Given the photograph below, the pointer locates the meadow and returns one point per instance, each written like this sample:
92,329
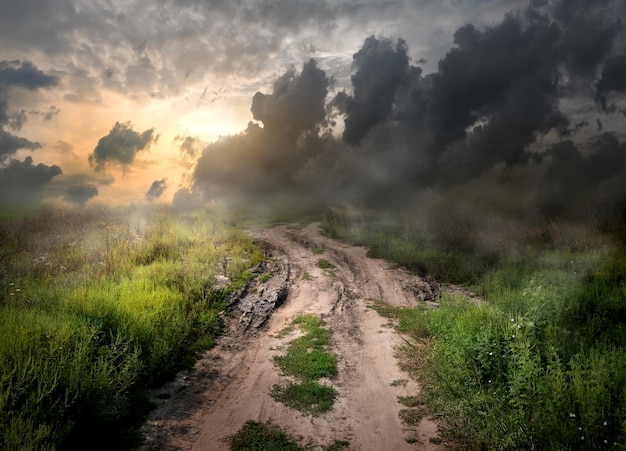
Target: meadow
97,304
535,356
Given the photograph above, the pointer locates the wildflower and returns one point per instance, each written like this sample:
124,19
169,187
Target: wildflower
579,428
512,336
11,284
582,437
18,289
606,424
519,326
512,320
491,353
572,415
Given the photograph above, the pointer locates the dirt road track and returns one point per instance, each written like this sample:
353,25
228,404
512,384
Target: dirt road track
231,382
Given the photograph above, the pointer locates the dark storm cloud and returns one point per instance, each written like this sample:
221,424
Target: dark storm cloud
23,75
381,68
571,174
266,159
80,194
296,104
9,144
493,105
494,94
121,146
156,189
613,78
22,182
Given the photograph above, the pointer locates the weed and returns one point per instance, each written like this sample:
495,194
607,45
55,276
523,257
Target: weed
317,250
410,401
336,445
308,397
412,417
325,264
265,277
263,437
307,360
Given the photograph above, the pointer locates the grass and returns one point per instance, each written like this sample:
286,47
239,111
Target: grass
309,397
306,357
268,436
263,437
307,360
540,363
325,264
96,304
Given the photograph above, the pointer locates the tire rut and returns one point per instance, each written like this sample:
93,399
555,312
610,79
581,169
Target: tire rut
230,384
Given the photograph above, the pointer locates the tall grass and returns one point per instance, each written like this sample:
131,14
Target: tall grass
540,362
94,305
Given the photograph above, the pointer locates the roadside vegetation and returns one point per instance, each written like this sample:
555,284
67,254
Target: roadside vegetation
537,360
96,304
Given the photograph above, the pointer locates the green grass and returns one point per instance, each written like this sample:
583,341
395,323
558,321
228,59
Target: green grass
307,360
263,437
268,436
325,264
306,357
317,250
309,397
96,304
540,362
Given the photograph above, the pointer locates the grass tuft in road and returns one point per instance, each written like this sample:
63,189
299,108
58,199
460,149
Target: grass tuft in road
263,437
307,359
308,397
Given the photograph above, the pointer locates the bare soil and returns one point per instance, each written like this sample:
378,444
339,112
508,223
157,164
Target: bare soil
230,384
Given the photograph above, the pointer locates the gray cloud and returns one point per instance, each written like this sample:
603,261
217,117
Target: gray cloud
189,146
80,194
121,146
9,144
184,199
493,106
381,69
572,175
156,190
296,104
264,160
22,182
23,75
613,78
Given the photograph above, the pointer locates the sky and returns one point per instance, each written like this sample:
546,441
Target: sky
360,101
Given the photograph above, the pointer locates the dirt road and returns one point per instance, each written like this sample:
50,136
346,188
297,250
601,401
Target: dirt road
231,383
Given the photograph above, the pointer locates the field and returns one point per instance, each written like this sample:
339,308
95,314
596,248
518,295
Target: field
526,350
536,359
96,304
